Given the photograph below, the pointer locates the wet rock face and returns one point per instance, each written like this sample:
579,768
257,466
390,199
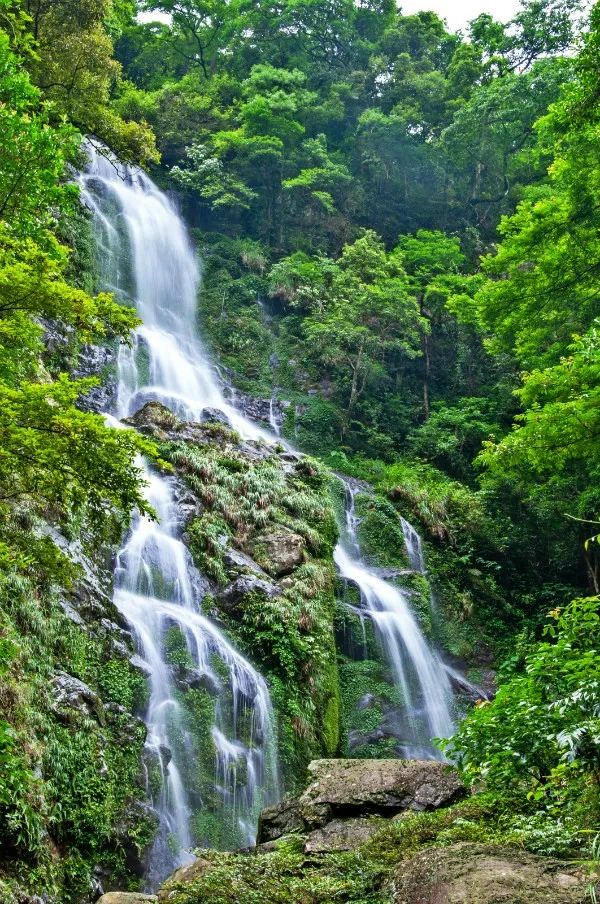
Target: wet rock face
485,874
233,596
197,680
98,361
214,415
260,409
347,789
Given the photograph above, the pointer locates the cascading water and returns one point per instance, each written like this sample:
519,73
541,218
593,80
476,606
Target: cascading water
146,258
273,422
419,674
414,547
416,557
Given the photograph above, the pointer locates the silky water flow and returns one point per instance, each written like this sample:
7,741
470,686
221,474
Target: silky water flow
147,260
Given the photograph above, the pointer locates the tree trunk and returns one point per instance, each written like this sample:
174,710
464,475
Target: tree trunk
354,391
591,564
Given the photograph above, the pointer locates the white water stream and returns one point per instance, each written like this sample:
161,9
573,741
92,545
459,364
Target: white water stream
418,673
146,259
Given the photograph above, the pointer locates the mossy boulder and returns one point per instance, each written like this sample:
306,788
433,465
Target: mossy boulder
343,789
154,419
181,876
468,873
280,551
343,834
383,784
125,897
232,597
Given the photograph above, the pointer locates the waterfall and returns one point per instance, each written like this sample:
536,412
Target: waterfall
419,674
273,422
146,259
414,547
416,557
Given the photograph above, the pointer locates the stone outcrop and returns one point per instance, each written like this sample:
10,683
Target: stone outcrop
343,834
97,361
215,415
485,874
126,897
153,419
258,409
232,597
347,789
73,696
180,877
283,550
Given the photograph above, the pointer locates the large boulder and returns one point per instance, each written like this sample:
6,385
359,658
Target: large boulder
73,698
382,785
233,596
343,834
126,897
154,419
181,876
485,874
282,550
215,416
237,560
343,789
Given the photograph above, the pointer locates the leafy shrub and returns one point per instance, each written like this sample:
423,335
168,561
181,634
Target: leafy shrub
539,739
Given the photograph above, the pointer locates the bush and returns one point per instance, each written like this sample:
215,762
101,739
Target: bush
539,739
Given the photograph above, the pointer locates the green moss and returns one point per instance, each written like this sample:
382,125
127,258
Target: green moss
232,287
380,532
176,650
283,877
119,682
207,540
77,232
366,693
68,780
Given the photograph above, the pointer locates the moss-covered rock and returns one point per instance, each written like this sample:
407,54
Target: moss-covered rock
380,532
281,551
460,843
262,528
485,874
123,897
349,788
342,834
74,811
368,700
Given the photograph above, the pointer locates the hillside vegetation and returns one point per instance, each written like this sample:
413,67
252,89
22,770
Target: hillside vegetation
398,228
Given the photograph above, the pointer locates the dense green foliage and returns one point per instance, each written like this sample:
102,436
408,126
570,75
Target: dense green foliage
558,694
399,232
69,781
